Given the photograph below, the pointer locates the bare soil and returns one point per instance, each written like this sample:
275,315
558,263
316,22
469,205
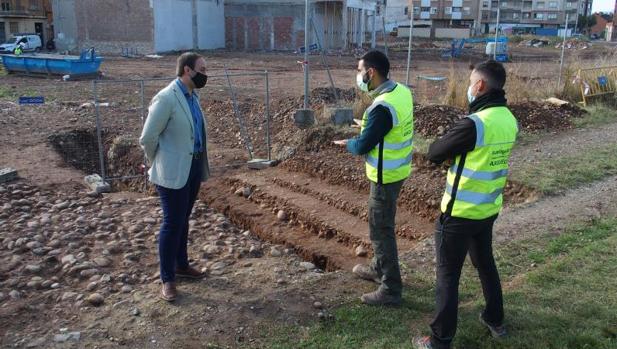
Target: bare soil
255,260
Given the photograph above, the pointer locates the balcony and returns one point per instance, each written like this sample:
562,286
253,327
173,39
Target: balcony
15,8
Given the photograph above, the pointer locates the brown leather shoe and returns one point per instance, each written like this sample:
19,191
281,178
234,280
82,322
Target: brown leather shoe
169,292
189,273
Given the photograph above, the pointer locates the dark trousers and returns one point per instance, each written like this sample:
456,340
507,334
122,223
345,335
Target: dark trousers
454,237
177,205
382,211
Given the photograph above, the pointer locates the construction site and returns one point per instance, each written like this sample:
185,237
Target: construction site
284,217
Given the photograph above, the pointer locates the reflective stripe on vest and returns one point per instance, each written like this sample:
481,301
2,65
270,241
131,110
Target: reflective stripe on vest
390,164
479,175
388,106
473,197
397,146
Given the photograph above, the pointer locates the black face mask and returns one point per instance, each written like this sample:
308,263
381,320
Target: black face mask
199,79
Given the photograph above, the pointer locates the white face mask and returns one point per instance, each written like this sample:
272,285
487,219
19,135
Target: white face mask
470,96
363,86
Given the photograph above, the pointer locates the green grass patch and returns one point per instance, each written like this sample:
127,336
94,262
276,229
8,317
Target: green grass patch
555,175
565,301
597,115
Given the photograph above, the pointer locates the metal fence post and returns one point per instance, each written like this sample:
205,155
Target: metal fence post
268,141
98,129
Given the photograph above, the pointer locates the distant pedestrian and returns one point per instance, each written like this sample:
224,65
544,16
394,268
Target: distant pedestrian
174,141
385,141
480,146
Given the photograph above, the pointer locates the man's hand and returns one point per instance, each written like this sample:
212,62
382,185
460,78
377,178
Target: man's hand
342,142
358,122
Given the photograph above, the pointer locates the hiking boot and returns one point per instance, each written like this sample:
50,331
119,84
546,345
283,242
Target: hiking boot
169,292
421,343
189,273
496,331
379,297
366,272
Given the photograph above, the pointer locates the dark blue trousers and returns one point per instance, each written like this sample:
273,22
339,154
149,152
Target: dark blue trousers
177,205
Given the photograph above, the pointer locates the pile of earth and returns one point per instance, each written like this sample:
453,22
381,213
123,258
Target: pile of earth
434,120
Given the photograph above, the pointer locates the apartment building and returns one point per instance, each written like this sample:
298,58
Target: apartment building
527,15
445,13
480,16
25,16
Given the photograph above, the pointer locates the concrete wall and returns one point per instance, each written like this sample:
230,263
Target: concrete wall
177,29
452,33
173,25
417,32
65,25
211,24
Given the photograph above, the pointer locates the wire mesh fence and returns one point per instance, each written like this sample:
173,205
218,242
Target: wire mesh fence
235,106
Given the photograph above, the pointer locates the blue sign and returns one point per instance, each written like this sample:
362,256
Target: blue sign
32,100
313,47
602,80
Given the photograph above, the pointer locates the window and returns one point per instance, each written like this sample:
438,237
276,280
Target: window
526,15
434,10
569,5
504,4
552,4
540,4
34,5
467,10
5,5
416,10
484,4
426,9
552,16
515,15
539,16
14,27
448,10
406,10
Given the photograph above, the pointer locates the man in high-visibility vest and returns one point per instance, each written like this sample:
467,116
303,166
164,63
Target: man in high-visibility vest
18,49
480,146
385,141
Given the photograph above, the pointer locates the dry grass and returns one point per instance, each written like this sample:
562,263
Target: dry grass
571,90
524,83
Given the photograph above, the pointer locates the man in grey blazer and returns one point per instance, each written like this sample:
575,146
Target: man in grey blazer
174,141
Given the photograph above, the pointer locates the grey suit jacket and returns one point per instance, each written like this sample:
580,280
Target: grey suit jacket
168,139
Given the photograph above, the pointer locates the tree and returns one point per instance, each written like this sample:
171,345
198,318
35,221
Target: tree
586,22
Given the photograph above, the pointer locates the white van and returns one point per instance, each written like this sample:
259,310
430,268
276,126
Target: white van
28,42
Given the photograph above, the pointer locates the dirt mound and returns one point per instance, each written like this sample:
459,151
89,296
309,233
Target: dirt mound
434,120
539,116
326,95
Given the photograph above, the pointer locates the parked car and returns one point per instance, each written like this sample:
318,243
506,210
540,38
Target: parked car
28,42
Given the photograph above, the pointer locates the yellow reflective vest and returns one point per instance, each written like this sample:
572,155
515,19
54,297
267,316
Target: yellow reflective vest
476,180
390,161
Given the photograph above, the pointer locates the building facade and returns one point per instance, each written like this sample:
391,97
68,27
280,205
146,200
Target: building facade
515,16
279,25
141,26
25,16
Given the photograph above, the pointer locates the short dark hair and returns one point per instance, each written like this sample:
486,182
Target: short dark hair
493,72
187,59
378,61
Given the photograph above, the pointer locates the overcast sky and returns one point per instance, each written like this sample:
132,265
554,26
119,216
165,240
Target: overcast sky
603,5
